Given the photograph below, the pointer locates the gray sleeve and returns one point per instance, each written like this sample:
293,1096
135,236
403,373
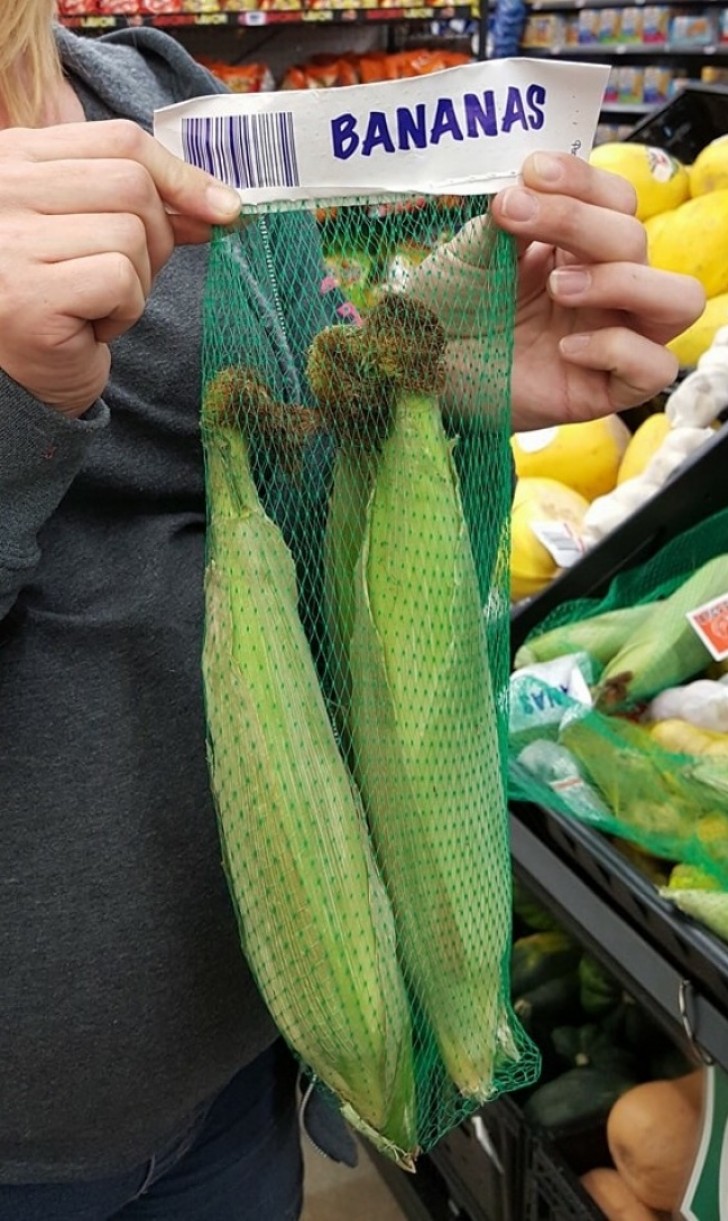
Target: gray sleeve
41,451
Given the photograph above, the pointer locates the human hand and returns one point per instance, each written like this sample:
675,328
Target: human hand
591,318
89,214
584,347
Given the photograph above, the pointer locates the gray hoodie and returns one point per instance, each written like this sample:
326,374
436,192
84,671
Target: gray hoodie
124,998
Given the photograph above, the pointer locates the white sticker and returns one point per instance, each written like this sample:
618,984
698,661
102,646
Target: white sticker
663,167
534,442
710,623
463,131
560,540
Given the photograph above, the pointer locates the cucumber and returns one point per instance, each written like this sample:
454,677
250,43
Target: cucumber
591,1046
579,1098
600,992
540,957
530,912
549,1004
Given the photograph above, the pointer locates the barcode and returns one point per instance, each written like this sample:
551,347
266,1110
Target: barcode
247,151
560,540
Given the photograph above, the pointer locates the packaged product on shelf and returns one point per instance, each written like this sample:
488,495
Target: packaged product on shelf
571,32
692,30
122,7
608,25
588,27
611,93
723,25
544,30
657,85
242,78
631,26
164,7
631,84
655,24
77,8
710,75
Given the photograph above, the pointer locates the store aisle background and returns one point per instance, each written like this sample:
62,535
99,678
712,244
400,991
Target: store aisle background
335,1193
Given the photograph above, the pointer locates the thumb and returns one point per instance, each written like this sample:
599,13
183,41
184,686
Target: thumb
453,281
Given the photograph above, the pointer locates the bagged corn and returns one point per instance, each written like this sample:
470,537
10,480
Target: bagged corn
356,649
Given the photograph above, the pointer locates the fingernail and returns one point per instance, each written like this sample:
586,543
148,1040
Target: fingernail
548,168
569,281
572,344
223,201
518,204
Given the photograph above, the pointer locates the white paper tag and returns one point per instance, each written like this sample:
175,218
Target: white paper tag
463,131
564,674
560,540
710,623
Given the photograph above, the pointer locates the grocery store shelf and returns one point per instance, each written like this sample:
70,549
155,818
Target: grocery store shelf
553,6
630,107
622,50
667,991
259,17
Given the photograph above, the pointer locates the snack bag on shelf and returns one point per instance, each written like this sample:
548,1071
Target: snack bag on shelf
160,7
242,78
356,641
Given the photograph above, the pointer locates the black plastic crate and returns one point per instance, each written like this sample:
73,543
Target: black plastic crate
686,124
423,1196
483,1162
684,942
552,1193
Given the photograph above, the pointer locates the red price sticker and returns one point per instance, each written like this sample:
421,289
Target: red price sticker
710,623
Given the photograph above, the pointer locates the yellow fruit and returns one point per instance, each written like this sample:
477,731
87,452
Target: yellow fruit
694,239
539,500
585,457
654,227
659,179
709,171
690,345
645,442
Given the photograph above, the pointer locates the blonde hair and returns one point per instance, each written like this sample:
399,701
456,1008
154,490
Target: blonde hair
30,68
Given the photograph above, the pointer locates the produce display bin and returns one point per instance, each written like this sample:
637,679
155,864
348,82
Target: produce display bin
698,489
691,947
551,1191
483,1162
423,1196
686,124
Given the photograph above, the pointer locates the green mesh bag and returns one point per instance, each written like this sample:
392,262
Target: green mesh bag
356,647
607,766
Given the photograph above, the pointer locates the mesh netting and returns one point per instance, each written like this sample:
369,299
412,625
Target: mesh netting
655,785
355,422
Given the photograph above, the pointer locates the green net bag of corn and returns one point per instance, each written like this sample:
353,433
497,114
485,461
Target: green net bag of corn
358,338
619,709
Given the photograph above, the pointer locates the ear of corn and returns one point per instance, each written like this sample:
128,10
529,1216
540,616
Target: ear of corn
665,650
601,636
352,482
315,921
425,735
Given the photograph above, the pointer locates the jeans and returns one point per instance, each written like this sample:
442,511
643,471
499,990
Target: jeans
237,1159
